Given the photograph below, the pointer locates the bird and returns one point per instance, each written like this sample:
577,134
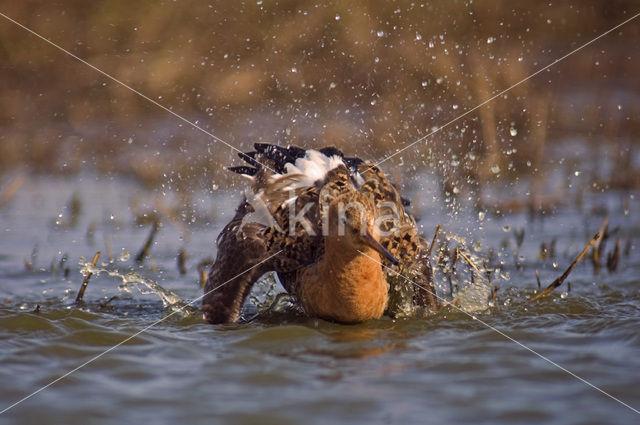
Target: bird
334,230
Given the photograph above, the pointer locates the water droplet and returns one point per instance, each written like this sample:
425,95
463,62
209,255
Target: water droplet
337,17
490,40
124,256
576,173
425,83
380,33
418,37
373,102
506,228
481,215
431,45
495,169
513,131
520,59
455,107
294,69
439,80
332,86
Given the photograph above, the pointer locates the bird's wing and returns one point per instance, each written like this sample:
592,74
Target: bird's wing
241,250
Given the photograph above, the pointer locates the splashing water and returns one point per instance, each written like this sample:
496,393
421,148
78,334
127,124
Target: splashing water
170,300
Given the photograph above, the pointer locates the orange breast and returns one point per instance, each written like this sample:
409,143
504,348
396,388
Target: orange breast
346,293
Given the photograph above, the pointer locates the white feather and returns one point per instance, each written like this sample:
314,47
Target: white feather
312,167
358,179
305,172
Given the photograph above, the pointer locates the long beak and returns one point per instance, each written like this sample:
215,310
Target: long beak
370,240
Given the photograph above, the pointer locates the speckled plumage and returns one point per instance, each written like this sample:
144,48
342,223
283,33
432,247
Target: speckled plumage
244,243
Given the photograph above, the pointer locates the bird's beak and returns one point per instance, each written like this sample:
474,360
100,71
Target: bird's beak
373,243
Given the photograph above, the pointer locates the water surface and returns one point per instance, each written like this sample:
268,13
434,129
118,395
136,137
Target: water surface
449,368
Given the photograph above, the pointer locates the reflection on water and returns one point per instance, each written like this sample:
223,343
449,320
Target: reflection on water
281,367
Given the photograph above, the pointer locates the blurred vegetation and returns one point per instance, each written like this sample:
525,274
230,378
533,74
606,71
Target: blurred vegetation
367,76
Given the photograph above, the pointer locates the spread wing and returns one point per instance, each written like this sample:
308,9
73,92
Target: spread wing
241,248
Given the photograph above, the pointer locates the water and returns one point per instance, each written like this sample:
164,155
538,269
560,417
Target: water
449,368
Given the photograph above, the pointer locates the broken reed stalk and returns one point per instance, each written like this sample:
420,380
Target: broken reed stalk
494,294
564,276
552,248
29,263
147,245
519,237
85,281
62,265
106,303
614,258
538,279
11,190
596,249
433,241
453,283
203,267
203,277
468,260
91,230
182,259
627,247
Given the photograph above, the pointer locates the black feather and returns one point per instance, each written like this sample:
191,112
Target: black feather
249,157
280,156
277,154
352,162
249,171
261,147
296,152
331,151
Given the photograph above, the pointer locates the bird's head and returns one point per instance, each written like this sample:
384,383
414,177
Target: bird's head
352,219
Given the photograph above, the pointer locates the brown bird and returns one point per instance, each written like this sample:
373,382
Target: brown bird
334,230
